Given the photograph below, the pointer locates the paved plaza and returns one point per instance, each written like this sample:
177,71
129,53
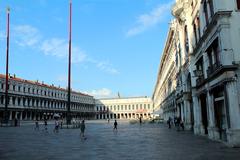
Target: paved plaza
131,142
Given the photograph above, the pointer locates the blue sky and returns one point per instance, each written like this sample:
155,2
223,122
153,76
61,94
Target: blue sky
117,44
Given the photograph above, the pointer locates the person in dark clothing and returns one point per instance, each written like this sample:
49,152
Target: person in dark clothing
140,120
169,122
82,127
36,125
182,125
45,125
115,125
178,123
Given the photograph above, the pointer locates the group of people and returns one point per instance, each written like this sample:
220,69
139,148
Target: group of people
58,124
45,123
177,121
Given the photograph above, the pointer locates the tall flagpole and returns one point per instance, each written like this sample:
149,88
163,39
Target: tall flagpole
69,65
6,118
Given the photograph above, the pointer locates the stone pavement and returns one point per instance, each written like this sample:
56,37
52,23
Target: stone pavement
131,142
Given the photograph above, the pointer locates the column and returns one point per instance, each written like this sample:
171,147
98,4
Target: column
233,105
10,101
21,101
188,124
31,104
196,108
233,111
16,114
26,115
20,115
34,116
182,111
16,102
26,102
10,115
30,118
212,131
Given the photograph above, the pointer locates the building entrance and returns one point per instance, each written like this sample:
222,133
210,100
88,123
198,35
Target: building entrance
204,113
220,118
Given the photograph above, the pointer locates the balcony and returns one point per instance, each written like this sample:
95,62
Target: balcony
225,63
213,68
217,69
199,80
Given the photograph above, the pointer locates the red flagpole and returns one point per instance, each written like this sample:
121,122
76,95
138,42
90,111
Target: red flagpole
6,80
69,65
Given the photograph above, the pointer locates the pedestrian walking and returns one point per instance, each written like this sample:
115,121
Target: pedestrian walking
45,125
169,122
115,125
140,120
178,123
36,125
56,126
61,123
82,128
182,124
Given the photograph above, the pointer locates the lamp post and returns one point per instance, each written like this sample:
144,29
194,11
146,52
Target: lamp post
69,117
6,114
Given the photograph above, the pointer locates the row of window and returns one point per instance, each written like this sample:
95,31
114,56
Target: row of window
123,107
42,92
27,102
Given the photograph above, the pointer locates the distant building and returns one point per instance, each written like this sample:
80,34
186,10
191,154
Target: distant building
31,100
124,108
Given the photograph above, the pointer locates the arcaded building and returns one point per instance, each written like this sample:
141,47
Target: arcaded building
124,108
207,96
31,100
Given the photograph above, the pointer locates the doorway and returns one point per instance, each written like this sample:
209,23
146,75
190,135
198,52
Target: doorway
220,118
204,113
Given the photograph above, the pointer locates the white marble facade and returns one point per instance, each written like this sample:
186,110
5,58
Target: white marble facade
124,108
207,58
30,100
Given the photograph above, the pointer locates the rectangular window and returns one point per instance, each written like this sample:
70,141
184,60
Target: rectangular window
238,4
205,8
210,2
198,27
195,33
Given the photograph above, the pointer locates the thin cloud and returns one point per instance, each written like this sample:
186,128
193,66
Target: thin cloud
101,93
29,36
148,20
104,66
26,35
59,48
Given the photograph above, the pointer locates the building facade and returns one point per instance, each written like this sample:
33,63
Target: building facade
124,108
165,88
207,96
31,100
